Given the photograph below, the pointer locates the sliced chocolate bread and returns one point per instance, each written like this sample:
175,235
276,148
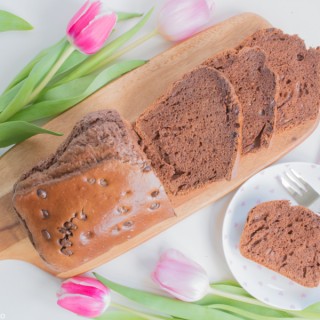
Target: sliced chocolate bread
192,134
284,238
96,192
256,87
299,97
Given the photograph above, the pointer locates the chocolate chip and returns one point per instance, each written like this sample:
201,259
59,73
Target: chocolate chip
147,169
91,180
67,224
62,230
300,57
103,182
46,234
155,206
45,214
123,209
70,226
66,252
65,242
126,193
41,194
83,216
155,193
128,225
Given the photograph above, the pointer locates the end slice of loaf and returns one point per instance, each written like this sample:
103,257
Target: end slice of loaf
299,96
192,134
285,239
96,192
256,87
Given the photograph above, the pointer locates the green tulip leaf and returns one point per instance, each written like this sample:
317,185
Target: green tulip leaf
63,97
75,58
9,22
247,314
129,314
172,307
16,131
231,289
37,74
120,315
122,16
9,95
101,58
227,283
27,69
212,300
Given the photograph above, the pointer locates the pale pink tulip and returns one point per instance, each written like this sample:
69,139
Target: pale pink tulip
181,19
89,28
181,277
84,296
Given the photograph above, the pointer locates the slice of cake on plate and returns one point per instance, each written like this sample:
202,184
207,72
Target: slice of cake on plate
284,238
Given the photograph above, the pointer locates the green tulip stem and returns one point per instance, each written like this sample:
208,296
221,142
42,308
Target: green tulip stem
232,296
128,48
65,55
135,312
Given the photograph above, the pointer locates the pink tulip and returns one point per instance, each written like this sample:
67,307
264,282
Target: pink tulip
84,296
181,277
181,19
89,28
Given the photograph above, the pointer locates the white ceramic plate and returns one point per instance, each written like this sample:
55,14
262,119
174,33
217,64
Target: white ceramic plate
262,283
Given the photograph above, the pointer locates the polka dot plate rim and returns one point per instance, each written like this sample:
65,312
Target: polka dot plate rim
262,283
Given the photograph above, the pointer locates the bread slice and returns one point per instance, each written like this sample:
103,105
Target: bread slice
256,87
192,134
299,95
284,238
96,192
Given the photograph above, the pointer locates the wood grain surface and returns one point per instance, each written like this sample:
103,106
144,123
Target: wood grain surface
130,95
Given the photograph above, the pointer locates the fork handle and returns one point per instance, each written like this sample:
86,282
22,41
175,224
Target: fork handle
315,206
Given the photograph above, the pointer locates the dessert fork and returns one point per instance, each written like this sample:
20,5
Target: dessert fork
300,190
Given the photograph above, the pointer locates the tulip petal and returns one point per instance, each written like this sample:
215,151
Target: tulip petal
84,20
180,19
78,15
82,305
91,39
180,276
86,290
90,281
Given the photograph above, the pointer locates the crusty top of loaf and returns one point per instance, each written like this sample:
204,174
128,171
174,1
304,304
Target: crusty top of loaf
99,136
256,87
285,239
299,97
96,192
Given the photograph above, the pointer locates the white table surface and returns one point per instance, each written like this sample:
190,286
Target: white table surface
28,293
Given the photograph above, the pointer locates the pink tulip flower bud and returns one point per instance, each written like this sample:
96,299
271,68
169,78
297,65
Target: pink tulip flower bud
89,28
181,19
84,296
181,277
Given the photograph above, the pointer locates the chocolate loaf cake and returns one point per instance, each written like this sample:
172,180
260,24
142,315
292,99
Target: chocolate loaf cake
95,192
192,134
299,97
286,239
256,87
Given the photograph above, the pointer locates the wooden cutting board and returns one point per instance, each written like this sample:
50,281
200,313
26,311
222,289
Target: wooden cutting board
130,95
